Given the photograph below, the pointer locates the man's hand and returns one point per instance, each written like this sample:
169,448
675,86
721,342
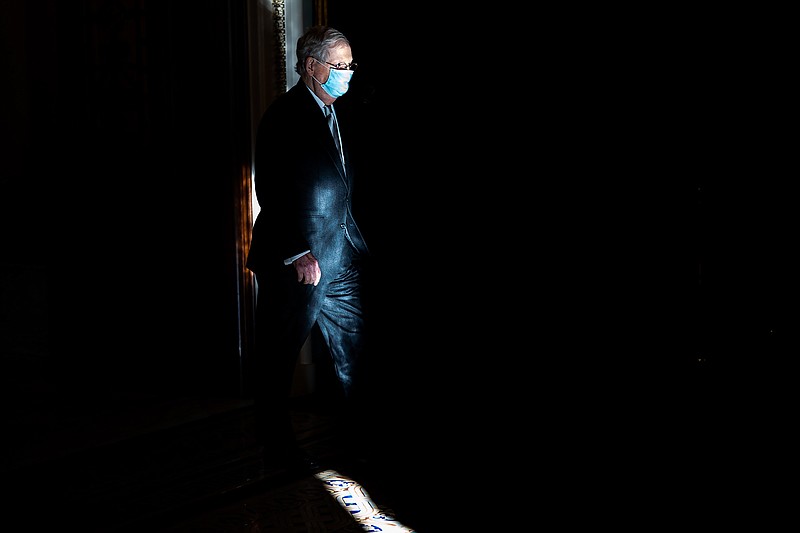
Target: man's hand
307,268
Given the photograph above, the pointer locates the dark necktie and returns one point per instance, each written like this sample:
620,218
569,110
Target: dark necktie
334,129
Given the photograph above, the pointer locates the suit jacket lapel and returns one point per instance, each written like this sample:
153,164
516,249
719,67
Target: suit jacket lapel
325,132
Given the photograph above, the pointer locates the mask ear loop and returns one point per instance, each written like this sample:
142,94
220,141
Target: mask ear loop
311,69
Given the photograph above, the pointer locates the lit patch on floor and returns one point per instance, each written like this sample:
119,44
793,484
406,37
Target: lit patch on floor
355,500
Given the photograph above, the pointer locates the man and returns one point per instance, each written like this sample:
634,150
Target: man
307,251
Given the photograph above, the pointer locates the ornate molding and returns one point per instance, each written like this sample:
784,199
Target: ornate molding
279,14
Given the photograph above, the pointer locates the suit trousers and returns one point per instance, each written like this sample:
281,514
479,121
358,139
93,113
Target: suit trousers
286,312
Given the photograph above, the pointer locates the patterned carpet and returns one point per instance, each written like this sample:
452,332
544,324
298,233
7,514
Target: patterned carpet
147,473
327,501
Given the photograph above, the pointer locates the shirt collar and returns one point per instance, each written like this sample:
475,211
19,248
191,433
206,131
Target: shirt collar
320,103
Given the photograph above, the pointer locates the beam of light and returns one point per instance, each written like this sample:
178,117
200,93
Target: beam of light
355,500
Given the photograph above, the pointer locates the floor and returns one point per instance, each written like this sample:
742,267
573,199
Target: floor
141,464
186,465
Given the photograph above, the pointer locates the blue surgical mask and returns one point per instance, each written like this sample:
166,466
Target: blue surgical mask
338,82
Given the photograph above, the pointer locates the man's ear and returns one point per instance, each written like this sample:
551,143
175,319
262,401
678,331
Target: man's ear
309,64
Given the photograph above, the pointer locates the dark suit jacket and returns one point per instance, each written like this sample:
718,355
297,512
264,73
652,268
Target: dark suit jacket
302,188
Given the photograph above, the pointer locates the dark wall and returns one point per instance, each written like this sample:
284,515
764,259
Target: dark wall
578,189
121,188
